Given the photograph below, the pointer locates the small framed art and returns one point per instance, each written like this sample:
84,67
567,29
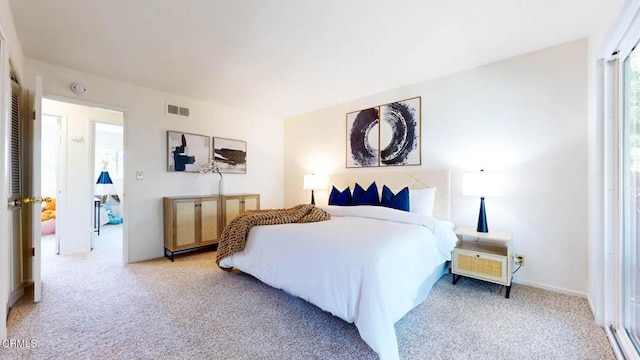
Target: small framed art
187,152
230,155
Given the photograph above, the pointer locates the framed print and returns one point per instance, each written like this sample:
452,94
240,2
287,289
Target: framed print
187,152
363,138
230,155
386,135
400,133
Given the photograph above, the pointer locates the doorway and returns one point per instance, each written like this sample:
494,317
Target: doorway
49,167
108,155
77,140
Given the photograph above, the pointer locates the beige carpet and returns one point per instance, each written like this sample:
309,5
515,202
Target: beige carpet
94,307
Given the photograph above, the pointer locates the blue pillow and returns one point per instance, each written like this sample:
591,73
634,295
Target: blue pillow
369,197
398,201
337,197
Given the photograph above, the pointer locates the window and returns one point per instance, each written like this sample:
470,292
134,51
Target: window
108,150
112,159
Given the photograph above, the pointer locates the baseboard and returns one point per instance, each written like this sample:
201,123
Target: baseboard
551,288
16,295
599,320
147,257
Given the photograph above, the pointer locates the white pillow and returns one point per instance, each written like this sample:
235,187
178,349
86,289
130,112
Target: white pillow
421,201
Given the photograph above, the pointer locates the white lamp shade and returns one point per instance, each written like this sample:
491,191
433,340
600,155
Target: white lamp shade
482,183
312,182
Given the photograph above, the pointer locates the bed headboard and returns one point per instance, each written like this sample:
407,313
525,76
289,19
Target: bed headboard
396,180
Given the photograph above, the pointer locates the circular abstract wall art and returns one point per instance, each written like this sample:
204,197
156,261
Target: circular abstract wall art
401,136
363,138
388,135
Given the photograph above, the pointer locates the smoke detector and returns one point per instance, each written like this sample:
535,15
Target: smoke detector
78,89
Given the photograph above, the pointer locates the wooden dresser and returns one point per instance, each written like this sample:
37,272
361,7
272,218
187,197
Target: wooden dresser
196,222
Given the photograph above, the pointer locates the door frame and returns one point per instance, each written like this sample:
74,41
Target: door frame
5,261
125,224
623,37
61,128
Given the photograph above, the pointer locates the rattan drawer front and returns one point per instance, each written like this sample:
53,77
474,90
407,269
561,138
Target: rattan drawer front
480,266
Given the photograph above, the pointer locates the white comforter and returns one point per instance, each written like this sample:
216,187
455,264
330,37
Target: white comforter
368,265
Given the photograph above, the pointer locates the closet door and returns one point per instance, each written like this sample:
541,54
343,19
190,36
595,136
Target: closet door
15,183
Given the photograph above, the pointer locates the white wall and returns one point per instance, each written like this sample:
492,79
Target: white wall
14,48
145,149
525,117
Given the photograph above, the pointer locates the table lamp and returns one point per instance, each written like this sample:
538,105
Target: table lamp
482,184
314,182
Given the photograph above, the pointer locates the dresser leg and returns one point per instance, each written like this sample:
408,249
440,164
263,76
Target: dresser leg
167,252
455,278
508,292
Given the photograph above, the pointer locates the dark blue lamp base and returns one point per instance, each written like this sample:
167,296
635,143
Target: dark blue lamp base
482,218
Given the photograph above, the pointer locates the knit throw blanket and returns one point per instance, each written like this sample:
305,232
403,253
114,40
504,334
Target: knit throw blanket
234,235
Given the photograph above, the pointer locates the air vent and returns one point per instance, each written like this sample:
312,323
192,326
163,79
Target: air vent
15,183
177,110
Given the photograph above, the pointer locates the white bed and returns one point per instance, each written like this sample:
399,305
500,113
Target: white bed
368,265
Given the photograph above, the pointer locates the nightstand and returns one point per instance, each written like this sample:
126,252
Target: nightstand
483,256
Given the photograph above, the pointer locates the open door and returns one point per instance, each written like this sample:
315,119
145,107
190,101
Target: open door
35,190
35,199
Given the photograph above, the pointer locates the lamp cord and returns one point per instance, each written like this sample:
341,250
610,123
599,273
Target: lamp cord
516,270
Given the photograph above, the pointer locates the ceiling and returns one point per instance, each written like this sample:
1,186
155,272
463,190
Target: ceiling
289,57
